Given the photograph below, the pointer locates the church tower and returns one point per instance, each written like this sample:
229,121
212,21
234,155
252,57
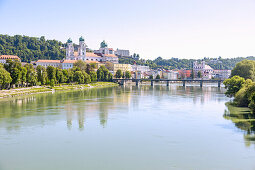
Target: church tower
69,50
82,47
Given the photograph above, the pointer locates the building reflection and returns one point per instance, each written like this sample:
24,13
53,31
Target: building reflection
80,106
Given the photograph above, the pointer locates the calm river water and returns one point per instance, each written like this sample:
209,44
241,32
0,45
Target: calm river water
126,128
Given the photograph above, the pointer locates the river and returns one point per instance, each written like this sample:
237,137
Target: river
126,128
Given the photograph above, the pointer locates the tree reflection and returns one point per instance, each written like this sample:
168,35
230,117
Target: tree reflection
243,119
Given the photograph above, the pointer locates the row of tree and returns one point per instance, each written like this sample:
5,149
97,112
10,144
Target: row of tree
241,85
13,74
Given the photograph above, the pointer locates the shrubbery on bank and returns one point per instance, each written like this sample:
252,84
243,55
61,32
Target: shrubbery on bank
241,85
13,74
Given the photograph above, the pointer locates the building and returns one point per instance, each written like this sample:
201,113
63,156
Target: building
3,58
106,53
140,68
122,53
122,67
184,74
102,55
170,74
221,74
63,64
67,64
205,70
46,63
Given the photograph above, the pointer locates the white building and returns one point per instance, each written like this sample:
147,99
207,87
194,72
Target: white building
67,64
3,58
122,53
102,55
206,70
106,53
140,68
221,74
170,75
46,63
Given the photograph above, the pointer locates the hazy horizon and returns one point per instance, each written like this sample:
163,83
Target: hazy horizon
181,29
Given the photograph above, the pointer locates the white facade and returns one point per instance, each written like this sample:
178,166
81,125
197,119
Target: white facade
122,53
221,74
205,70
140,68
102,55
170,75
46,63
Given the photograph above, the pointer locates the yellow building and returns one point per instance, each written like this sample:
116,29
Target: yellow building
122,67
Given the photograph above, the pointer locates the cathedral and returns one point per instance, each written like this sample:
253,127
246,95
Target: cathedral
102,55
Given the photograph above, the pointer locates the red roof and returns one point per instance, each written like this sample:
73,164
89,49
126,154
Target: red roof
9,57
48,61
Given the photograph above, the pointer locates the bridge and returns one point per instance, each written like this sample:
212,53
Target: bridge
184,81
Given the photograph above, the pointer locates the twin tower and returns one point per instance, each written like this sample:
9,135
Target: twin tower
70,48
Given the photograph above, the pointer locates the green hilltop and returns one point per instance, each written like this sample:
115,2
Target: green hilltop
34,48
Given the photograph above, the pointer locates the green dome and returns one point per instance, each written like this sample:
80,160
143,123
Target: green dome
103,44
69,40
81,39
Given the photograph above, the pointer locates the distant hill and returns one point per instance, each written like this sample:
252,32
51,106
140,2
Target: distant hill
34,48
175,63
31,48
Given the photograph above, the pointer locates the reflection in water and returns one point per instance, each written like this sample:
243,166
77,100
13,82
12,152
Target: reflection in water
243,119
156,127
88,103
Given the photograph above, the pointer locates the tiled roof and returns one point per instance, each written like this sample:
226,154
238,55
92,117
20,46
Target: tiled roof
69,61
9,57
91,55
48,61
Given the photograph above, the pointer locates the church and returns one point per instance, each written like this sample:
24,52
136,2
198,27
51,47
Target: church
102,55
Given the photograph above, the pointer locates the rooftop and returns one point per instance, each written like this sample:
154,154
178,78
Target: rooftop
9,57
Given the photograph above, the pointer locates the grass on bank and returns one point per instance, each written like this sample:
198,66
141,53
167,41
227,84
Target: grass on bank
48,89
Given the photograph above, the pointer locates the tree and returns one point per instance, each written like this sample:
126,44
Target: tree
151,77
23,75
14,68
31,75
158,76
88,68
93,76
79,77
233,85
128,74
59,76
86,76
41,74
118,74
81,65
245,69
5,78
199,74
192,74
103,74
51,72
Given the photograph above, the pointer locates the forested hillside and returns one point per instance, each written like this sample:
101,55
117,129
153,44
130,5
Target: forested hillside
175,63
31,48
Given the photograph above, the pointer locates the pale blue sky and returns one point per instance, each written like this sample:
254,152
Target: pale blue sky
152,28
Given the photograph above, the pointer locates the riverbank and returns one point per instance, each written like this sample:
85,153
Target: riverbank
48,89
